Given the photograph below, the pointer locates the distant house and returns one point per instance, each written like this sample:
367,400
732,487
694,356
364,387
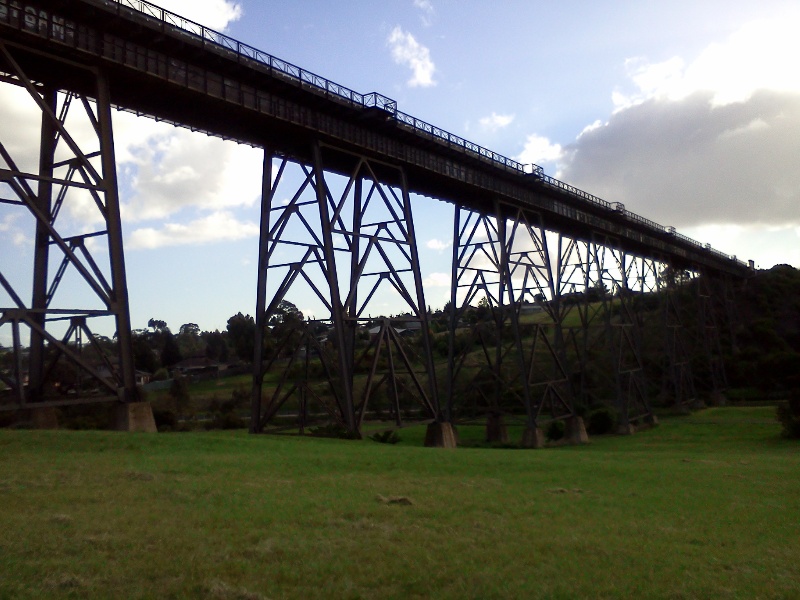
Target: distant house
142,377
198,366
528,308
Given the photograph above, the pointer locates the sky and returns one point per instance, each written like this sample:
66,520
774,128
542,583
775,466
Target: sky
687,112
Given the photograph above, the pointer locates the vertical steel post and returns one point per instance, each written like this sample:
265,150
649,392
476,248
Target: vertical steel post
355,256
420,298
261,292
506,249
119,294
453,317
337,310
47,150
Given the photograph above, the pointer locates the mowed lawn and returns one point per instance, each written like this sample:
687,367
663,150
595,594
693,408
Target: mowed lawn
705,506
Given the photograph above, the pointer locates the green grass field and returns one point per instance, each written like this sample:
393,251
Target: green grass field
705,506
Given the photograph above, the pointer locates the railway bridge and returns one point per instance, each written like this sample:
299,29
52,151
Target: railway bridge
550,284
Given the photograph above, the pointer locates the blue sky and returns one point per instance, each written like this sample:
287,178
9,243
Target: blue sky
687,112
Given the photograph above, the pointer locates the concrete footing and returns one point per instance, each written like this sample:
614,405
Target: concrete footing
496,429
44,417
440,435
650,421
135,416
533,437
575,431
626,429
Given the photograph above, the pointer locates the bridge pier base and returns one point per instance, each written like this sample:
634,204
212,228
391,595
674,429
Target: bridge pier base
626,429
649,421
533,438
440,435
575,431
135,416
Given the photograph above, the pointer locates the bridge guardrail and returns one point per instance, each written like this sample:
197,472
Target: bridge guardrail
229,46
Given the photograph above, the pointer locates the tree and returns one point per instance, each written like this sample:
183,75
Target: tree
144,357
241,333
216,346
156,324
171,352
189,340
286,312
189,329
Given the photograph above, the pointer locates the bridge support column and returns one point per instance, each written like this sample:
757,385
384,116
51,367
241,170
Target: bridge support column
300,241
714,380
135,417
533,438
80,169
440,434
678,382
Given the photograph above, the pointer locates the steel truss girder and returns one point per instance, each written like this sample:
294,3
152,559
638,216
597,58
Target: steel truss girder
711,375
616,283
678,382
506,260
371,222
512,259
66,169
693,302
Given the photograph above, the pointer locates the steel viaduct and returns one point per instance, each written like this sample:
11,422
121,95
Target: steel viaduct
521,239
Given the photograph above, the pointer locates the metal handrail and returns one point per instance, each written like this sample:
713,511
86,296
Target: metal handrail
375,100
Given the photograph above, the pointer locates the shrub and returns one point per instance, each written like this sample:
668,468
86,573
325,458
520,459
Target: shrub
555,431
227,420
601,420
788,414
179,392
385,437
160,375
166,420
334,430
224,413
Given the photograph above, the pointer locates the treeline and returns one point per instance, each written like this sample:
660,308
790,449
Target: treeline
766,319
157,347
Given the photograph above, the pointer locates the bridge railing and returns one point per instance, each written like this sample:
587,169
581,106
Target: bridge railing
219,41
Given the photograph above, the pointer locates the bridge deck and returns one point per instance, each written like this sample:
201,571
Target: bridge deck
171,69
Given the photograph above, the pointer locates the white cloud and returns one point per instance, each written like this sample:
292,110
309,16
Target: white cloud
214,14
690,162
494,121
437,244
216,227
538,150
427,10
707,142
437,280
7,222
173,169
407,51
761,55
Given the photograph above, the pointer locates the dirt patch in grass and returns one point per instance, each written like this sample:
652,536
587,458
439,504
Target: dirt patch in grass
401,500
219,590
